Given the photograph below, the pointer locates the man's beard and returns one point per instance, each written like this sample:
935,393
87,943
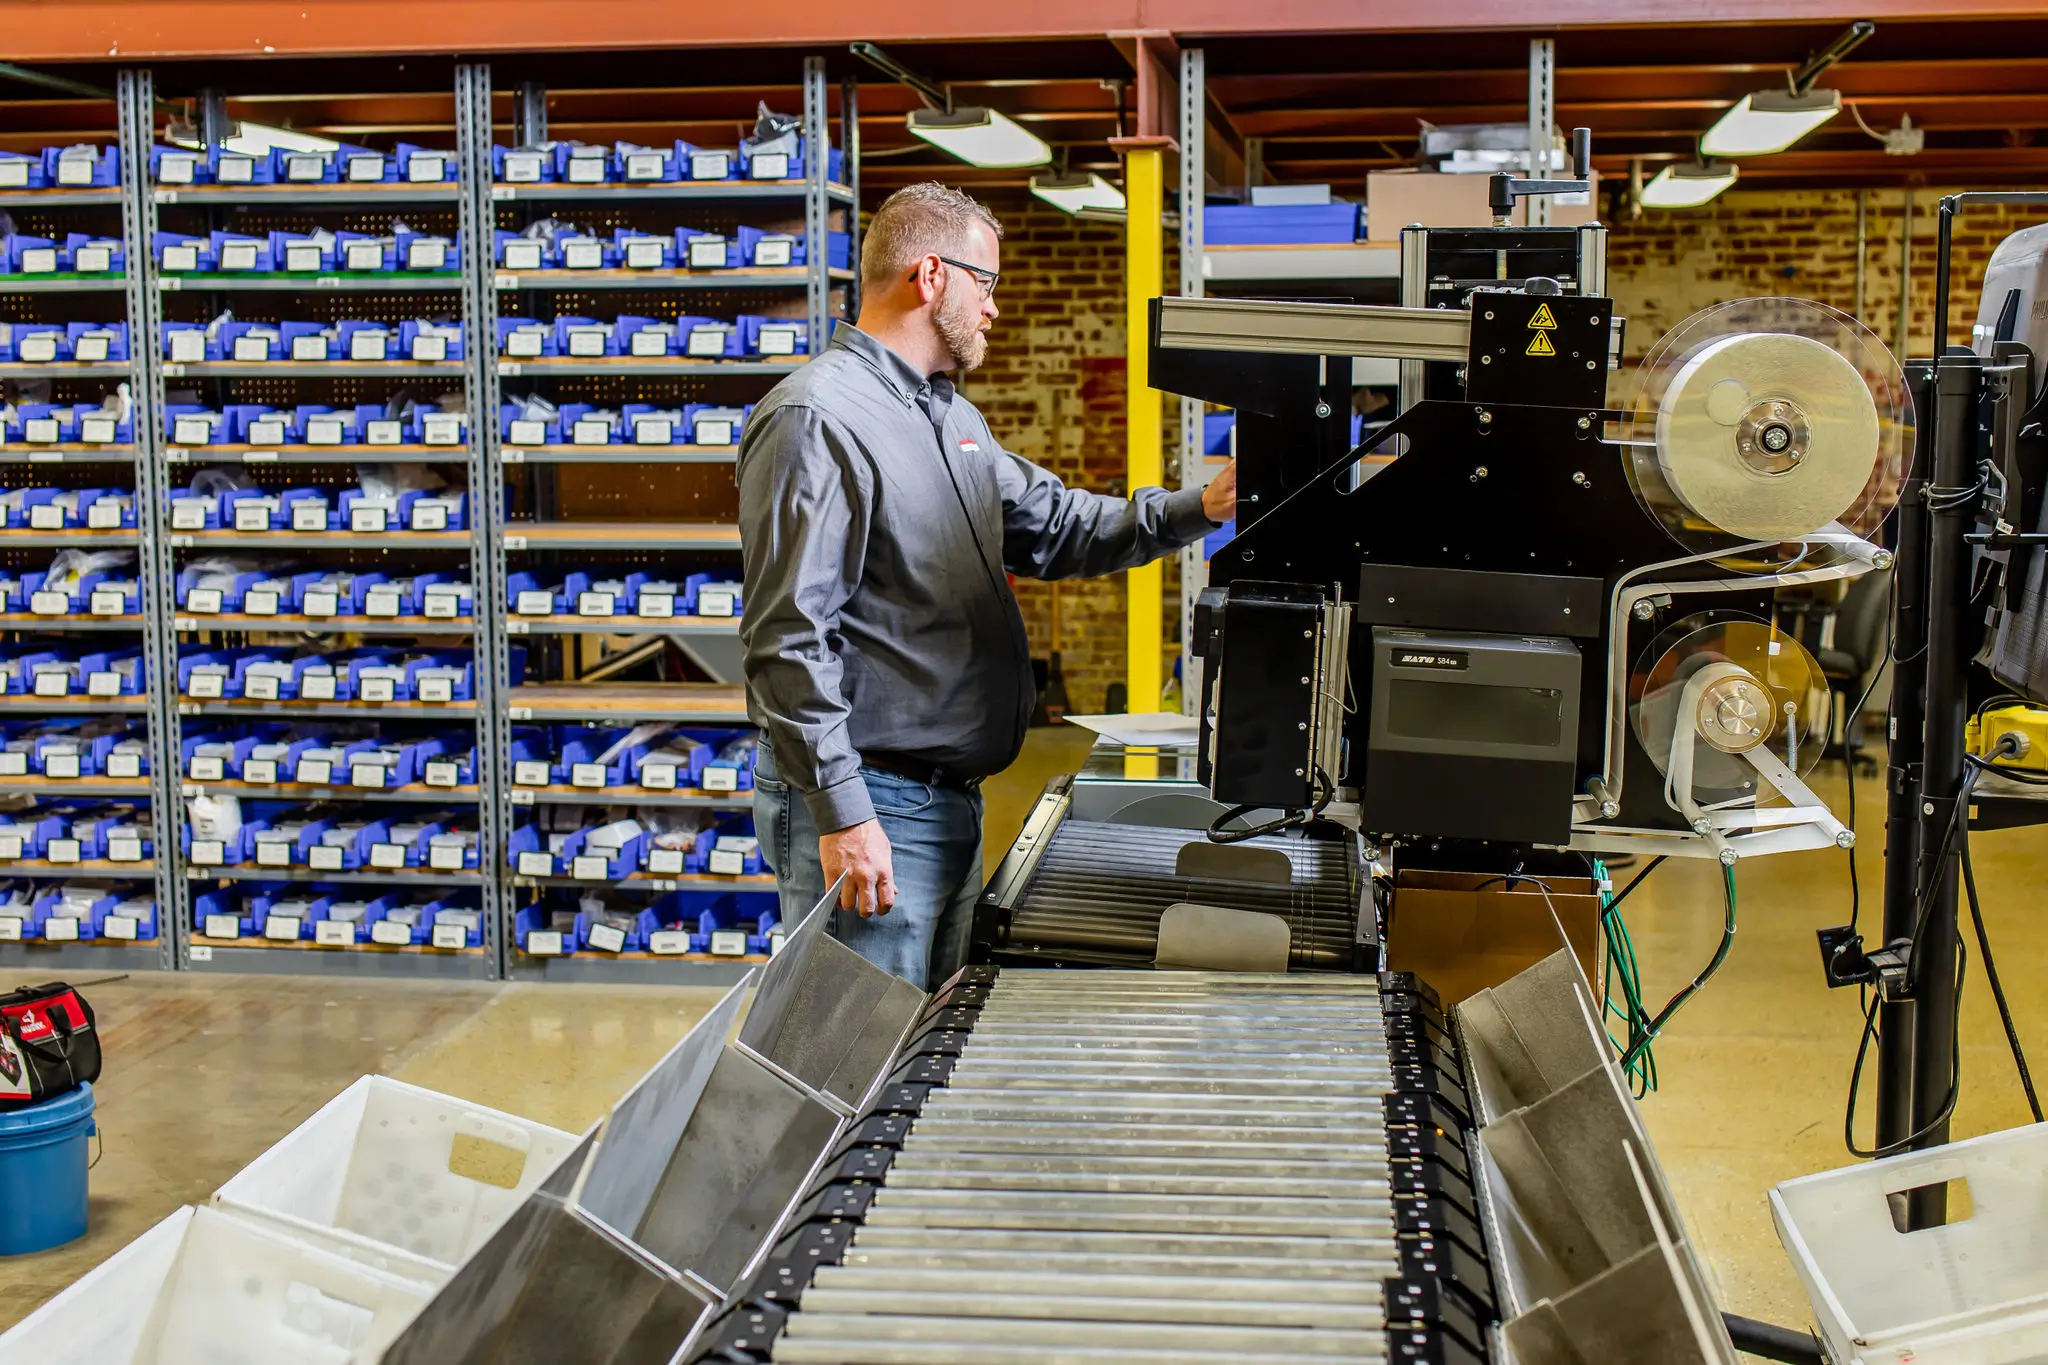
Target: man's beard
958,318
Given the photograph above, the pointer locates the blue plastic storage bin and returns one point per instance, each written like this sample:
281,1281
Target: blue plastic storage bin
1281,224
43,1161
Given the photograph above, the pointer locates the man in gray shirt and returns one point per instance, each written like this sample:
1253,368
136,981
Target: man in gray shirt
887,663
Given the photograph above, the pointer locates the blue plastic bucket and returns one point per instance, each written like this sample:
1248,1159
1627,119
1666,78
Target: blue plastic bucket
43,1160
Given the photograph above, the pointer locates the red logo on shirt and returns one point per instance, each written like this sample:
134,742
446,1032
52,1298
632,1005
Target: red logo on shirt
974,446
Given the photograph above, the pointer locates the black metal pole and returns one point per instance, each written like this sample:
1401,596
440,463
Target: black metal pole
1902,821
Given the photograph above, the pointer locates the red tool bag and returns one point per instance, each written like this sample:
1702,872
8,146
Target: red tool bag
48,1044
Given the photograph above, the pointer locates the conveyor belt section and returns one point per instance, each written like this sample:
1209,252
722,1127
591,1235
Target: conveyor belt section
1140,1167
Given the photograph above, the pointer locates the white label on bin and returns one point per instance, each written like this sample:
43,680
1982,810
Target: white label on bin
445,857
320,602
441,606
325,857
10,929
302,256
535,602
367,775
314,772
208,767
707,341
124,765
714,432
39,260
595,603
387,855
370,518
586,170
728,943
707,253
658,604
103,684
105,514
660,777
261,687
426,167
524,343
590,867
727,863
536,864
527,432
393,935
668,942
308,515
437,689
60,765
309,348
588,432
530,772
273,853
769,166
265,431
124,848
644,253
361,168
40,429
544,942
665,860
379,689
653,431
645,165
205,684
383,431
721,777
48,603
323,431
90,349
74,171
304,166
38,349
450,936
607,937
98,431
235,170
14,172
330,933
184,256
248,517
362,255
430,348
441,772
426,255
587,342
710,165
587,774
62,851
522,168
124,927
11,844
773,252
223,926
381,602
60,929
778,340
582,256
441,429
647,342
189,514
368,345
258,772
46,516
522,255
283,927
238,255
204,601
318,688
715,602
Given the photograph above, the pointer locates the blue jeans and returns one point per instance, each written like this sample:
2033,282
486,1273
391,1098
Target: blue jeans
934,838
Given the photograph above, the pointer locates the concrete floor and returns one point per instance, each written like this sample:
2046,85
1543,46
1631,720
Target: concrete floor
205,1073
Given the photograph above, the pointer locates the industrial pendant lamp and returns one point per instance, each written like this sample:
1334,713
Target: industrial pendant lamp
1769,121
1083,194
1686,186
978,136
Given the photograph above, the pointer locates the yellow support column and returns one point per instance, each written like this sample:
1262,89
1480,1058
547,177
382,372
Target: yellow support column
1144,272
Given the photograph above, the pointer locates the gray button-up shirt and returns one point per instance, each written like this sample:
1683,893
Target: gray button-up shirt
877,519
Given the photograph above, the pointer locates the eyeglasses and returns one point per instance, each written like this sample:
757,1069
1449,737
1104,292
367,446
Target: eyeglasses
987,279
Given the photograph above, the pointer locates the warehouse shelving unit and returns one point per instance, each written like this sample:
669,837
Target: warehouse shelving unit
333,296
553,524
74,464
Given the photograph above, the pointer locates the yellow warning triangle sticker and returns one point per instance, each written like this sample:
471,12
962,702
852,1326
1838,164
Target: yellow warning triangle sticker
1540,345
1542,319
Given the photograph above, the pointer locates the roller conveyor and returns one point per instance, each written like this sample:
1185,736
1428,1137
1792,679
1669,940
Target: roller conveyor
1140,1166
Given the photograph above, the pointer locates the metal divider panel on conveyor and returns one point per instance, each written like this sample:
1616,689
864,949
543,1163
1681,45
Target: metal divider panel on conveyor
1101,888
1140,1167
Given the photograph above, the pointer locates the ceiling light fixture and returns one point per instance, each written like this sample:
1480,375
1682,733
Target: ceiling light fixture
979,137
1686,185
253,139
1083,194
1771,120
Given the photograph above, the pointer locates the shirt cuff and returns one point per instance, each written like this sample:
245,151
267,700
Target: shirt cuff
840,806
1186,522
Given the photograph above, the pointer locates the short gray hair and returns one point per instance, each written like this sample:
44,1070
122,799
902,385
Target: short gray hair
916,221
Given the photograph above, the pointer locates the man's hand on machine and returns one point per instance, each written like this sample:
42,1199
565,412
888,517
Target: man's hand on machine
862,853
1219,499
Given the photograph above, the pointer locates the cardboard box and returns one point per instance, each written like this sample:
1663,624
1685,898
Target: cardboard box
1465,931
1394,199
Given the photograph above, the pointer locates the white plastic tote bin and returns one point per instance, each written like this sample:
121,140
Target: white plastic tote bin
399,1178
1974,1292
206,1288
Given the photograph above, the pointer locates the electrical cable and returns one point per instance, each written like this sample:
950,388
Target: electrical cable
2012,1035
1656,1026
1288,820
1622,979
